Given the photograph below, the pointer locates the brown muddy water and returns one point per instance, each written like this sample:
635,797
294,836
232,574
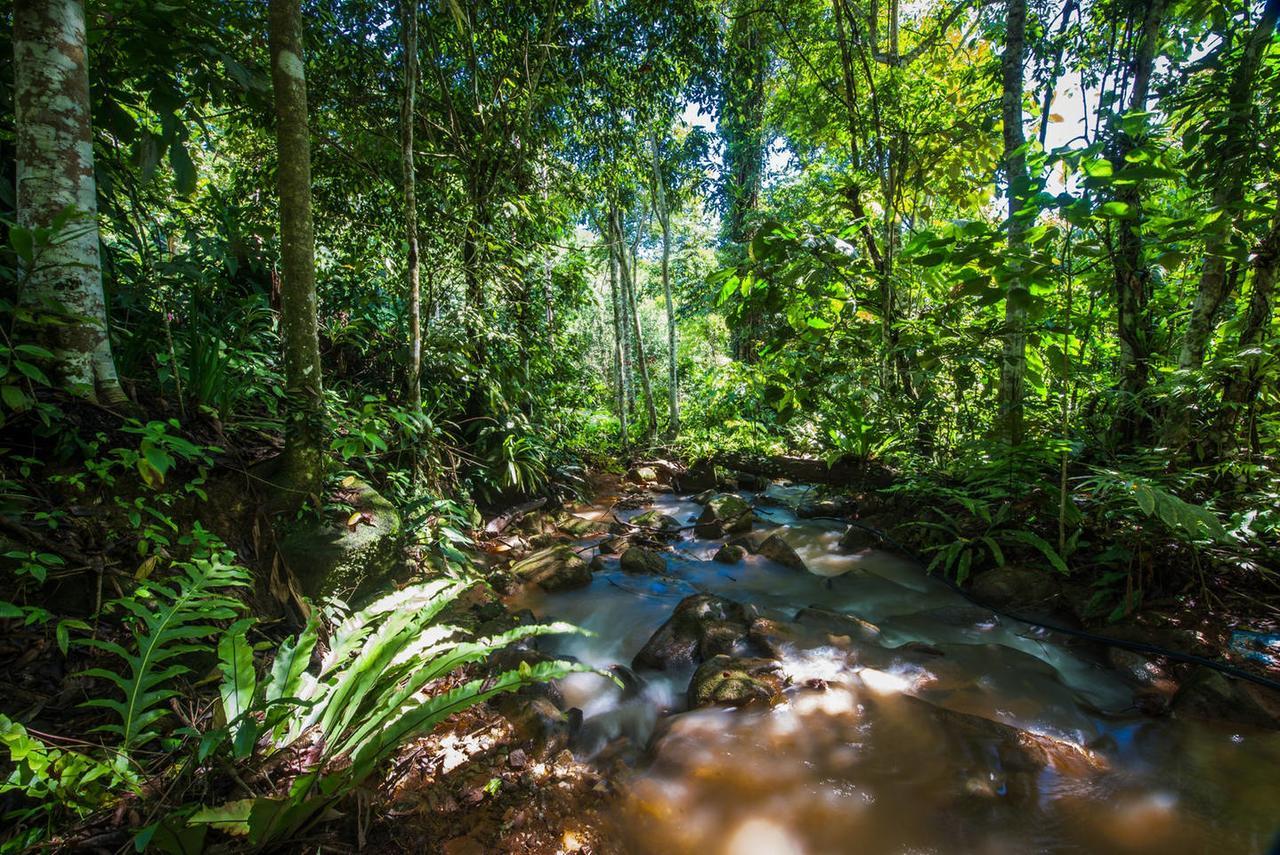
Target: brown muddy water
886,746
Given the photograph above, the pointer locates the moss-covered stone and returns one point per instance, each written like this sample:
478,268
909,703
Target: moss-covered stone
557,568
642,559
352,554
735,682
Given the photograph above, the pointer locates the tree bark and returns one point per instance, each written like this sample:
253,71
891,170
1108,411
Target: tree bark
619,338
55,173
1132,277
1013,364
303,463
664,219
1229,184
409,42
627,278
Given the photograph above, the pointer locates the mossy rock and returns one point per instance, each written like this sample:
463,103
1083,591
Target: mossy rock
350,555
642,559
730,681
656,519
557,568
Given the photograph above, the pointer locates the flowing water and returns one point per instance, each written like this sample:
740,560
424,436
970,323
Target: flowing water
885,747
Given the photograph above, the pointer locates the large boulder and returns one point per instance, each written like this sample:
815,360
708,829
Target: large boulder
353,553
775,548
556,568
702,626
735,682
724,514
1016,588
642,559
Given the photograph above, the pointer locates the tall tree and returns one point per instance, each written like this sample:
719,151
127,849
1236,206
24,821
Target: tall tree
663,213
55,174
1229,170
626,277
1013,365
302,466
408,167
742,127
1132,276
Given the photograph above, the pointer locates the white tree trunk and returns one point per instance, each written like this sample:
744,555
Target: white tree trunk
55,173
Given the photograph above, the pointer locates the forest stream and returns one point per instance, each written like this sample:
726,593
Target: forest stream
908,719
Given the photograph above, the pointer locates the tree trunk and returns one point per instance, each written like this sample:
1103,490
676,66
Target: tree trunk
55,173
303,461
1241,388
626,275
619,338
409,41
1133,324
664,218
1013,365
1229,184
742,127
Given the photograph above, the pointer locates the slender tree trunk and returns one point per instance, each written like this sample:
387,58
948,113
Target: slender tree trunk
619,339
409,42
1132,276
742,127
627,278
55,173
664,219
303,461
1013,365
1232,169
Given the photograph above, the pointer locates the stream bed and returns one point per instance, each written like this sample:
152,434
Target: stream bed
939,728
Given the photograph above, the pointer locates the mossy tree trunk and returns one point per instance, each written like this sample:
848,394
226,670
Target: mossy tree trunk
409,43
55,175
1013,364
303,463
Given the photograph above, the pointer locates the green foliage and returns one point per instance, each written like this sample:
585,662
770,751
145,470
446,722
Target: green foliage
171,622
52,781
372,692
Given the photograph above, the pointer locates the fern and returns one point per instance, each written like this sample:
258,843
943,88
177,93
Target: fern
369,695
172,620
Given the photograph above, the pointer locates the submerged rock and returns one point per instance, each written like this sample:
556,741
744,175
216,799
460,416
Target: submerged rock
837,623
735,682
701,626
557,568
836,506
775,548
730,553
642,559
1210,694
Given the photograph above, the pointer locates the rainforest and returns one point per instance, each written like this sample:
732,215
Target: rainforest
731,427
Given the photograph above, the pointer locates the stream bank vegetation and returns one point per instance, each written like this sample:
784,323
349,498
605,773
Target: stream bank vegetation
295,298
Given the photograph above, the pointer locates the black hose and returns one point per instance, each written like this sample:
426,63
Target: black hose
1136,646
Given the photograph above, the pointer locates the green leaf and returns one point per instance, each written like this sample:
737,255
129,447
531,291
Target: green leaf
184,170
